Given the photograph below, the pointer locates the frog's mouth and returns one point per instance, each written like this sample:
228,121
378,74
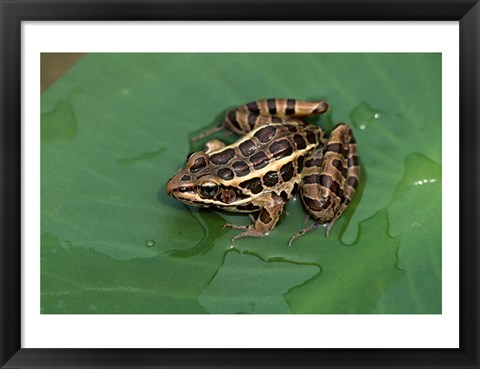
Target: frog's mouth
180,191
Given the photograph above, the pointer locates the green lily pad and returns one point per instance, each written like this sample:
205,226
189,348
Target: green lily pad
116,127
236,288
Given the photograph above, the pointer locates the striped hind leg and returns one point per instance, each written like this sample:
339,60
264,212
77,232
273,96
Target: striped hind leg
262,112
258,113
329,179
285,108
352,174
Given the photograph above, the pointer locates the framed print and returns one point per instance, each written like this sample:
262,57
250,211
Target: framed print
240,184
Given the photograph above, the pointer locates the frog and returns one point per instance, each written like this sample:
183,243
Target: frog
277,155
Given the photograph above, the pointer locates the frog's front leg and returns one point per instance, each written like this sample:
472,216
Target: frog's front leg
270,213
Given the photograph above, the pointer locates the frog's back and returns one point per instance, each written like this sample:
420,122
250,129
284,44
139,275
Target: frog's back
267,159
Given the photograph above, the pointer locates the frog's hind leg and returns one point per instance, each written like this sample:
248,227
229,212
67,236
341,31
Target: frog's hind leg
352,176
267,219
245,118
239,121
285,108
262,112
329,182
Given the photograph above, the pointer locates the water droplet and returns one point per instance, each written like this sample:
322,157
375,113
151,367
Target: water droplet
150,243
423,181
417,165
362,115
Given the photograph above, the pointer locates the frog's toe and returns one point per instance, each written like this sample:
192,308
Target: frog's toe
234,226
250,232
310,228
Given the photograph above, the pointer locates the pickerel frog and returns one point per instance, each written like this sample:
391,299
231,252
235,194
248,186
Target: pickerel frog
277,154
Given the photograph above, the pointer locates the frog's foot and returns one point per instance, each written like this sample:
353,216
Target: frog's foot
329,226
310,228
335,218
250,232
208,132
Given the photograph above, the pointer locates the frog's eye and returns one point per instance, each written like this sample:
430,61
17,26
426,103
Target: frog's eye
207,189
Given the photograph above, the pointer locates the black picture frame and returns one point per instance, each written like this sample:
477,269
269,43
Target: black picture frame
467,12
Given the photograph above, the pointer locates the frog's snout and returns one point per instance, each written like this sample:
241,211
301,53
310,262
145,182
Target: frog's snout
170,187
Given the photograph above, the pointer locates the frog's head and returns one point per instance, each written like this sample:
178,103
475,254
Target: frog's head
196,184
186,185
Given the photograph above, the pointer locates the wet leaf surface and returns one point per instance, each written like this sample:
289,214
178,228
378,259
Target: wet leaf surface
247,284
